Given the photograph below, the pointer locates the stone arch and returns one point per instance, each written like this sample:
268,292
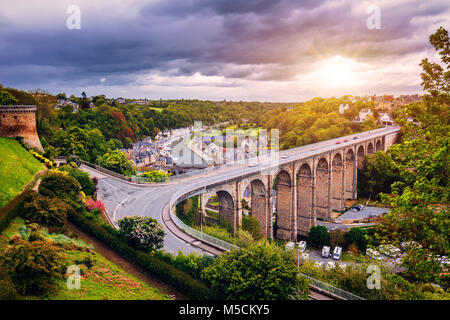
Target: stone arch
305,218
258,204
370,148
322,189
283,186
378,146
337,183
350,172
360,157
226,207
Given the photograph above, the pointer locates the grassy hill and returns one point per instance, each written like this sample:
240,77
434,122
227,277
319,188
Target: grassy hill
17,168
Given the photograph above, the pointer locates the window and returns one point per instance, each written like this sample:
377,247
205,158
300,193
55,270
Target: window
15,117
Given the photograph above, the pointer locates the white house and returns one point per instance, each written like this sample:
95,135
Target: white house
342,108
364,114
385,119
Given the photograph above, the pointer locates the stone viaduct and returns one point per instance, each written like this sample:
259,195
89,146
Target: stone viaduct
288,200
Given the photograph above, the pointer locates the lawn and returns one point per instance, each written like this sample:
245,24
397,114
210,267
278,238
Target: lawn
103,281
17,168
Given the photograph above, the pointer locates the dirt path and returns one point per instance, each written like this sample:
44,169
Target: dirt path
126,265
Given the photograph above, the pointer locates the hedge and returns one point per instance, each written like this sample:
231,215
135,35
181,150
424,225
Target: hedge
179,279
13,208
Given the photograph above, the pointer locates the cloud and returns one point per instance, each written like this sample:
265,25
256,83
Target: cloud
222,44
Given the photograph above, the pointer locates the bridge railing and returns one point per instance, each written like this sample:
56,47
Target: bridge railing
197,234
331,289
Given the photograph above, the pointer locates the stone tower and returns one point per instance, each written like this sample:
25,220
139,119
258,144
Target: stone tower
20,121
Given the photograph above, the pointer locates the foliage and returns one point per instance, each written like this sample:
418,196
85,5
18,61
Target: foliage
33,266
50,212
421,266
117,162
7,289
379,173
358,237
192,263
187,211
318,236
82,177
179,279
61,184
7,98
144,233
354,279
259,272
95,206
17,168
155,176
252,225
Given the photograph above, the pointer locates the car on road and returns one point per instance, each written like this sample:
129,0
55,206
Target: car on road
326,252
337,253
302,246
252,164
285,156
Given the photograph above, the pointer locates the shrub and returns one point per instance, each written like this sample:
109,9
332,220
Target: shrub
252,225
61,184
7,289
117,162
155,176
143,233
337,238
153,264
255,273
358,237
95,206
318,236
33,266
13,208
85,181
51,212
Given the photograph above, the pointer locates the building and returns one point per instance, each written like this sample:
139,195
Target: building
161,161
364,114
385,119
121,100
20,121
342,108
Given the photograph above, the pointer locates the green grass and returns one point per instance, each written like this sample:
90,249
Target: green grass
103,281
156,109
17,168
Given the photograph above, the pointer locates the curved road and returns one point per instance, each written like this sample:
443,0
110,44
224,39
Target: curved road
122,198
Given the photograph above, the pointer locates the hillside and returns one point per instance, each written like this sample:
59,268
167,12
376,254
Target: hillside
17,168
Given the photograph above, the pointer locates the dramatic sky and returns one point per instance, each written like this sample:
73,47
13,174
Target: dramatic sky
266,50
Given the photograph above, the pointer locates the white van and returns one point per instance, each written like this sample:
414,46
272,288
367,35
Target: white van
326,252
302,246
337,253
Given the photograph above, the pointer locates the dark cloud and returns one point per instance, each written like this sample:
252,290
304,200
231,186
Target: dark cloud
258,40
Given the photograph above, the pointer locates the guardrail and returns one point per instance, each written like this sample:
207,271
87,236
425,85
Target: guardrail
332,289
200,235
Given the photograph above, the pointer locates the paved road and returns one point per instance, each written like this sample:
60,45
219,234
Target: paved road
125,199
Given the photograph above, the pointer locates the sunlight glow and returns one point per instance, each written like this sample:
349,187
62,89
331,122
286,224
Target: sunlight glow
337,72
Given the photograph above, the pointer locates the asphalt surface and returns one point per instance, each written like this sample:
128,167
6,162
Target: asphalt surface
125,199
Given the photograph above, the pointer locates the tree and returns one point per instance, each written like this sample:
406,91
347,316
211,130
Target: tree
60,184
252,225
34,266
50,212
259,272
143,233
7,98
379,173
117,162
318,236
421,266
358,237
45,102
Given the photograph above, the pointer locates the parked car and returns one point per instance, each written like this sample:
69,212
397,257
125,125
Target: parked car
337,253
330,265
326,252
305,256
302,246
290,245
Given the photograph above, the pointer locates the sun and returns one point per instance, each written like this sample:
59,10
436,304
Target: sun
337,72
